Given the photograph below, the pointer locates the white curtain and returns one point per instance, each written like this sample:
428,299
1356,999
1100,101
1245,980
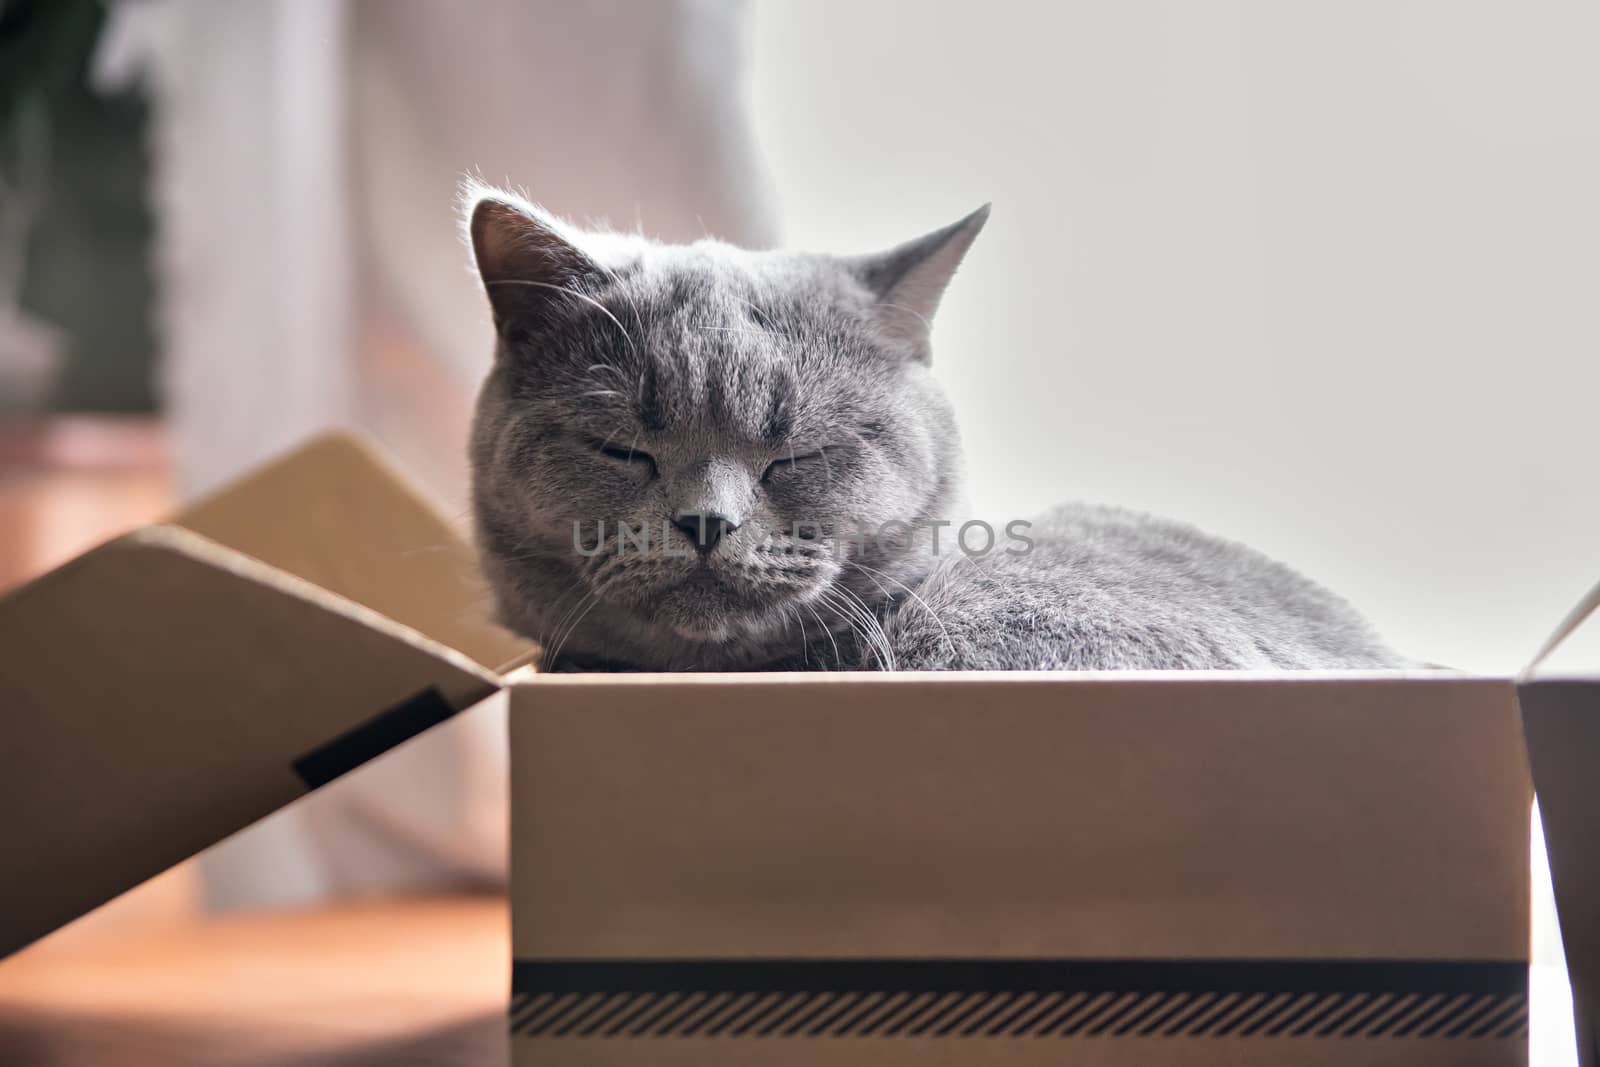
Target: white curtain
307,156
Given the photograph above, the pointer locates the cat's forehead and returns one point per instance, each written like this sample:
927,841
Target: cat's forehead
710,283
744,345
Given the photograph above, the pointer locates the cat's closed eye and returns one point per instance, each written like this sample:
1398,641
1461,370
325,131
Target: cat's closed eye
788,463
630,456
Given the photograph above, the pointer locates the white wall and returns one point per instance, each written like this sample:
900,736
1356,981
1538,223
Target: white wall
1321,277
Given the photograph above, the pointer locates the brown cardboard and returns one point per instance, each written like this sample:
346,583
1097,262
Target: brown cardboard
335,514
1140,820
1561,720
159,691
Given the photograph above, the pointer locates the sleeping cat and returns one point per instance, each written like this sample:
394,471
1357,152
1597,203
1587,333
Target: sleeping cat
701,458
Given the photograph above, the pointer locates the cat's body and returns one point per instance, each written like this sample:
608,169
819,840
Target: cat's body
1107,589
702,458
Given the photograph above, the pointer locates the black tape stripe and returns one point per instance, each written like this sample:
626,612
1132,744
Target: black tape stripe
595,1022
1207,1019
1399,1023
373,738
939,1001
859,1014
1467,1007
729,1012
759,1013
669,1003
888,1011
1370,977
1364,1018
983,1019
1245,1012
1073,1012
803,1022
582,1018
796,1003
532,1008
754,1009
627,1018
673,1021
1517,1027
1495,1019
934,999
1129,1018
1161,1017
1389,1016
849,1003
1440,1010
1263,1009
1485,1005
709,1011
973,1005
946,1011
1200,1004
1014,1012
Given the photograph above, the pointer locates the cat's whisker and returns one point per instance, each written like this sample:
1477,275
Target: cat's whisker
549,635
887,596
588,605
762,315
638,319
612,436
805,639
909,311
913,594
548,631
837,658
870,630
839,611
733,329
874,625
596,367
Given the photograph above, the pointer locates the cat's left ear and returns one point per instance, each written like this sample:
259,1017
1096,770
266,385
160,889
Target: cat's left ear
529,260
909,280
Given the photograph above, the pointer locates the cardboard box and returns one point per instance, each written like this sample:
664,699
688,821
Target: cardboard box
819,869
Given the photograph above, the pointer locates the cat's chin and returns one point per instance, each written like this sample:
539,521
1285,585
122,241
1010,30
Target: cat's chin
716,612
705,634
709,623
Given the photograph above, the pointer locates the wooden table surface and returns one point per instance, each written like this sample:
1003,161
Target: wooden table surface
401,984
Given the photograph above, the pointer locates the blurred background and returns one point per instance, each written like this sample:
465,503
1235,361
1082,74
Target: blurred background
1317,277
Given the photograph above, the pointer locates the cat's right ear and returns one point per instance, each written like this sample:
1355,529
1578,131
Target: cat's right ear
530,265
908,282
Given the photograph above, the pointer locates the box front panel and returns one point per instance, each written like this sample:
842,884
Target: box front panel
1019,869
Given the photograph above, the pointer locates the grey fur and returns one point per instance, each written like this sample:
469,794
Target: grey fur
661,385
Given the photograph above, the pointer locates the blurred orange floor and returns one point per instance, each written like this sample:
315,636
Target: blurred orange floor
67,484
392,983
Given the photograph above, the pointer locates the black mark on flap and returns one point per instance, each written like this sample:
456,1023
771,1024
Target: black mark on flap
373,738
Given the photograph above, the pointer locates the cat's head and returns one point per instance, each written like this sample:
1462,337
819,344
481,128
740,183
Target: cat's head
679,447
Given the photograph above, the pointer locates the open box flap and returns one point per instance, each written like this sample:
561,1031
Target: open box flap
336,515
1561,724
163,691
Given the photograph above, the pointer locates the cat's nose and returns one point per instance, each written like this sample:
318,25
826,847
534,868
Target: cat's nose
704,528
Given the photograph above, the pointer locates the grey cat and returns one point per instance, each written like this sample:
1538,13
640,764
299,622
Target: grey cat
706,458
